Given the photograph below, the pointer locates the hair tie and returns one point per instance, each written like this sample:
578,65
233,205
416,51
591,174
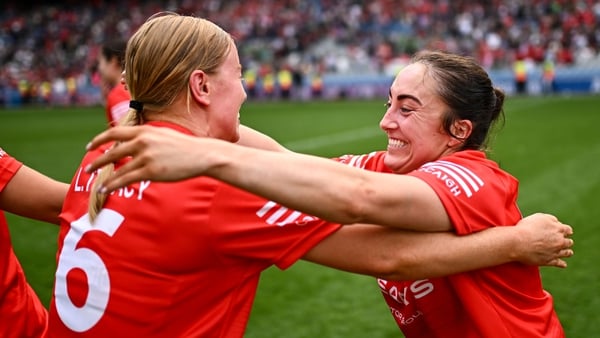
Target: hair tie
137,105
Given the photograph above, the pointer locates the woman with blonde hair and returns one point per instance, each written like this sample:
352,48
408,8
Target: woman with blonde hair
183,259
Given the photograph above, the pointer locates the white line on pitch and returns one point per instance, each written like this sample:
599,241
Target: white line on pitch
335,138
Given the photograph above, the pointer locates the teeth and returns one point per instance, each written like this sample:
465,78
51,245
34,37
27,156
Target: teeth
396,143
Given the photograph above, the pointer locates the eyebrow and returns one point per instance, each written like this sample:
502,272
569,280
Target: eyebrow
406,96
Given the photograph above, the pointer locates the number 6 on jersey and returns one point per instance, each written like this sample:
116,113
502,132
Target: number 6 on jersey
82,318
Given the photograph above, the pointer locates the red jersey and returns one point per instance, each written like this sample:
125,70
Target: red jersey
170,259
502,301
21,312
117,104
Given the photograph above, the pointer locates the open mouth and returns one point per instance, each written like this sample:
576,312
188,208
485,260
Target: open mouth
395,143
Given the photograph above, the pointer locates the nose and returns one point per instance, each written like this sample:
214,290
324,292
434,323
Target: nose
387,122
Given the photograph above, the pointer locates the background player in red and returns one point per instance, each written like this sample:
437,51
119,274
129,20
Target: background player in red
439,113
183,259
110,67
25,192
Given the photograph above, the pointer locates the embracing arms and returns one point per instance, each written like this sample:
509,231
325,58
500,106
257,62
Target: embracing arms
393,254
165,155
314,185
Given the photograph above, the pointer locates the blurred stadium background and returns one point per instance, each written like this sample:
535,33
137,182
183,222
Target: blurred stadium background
329,48
337,58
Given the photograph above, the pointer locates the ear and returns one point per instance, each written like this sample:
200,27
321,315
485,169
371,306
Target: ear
199,88
461,129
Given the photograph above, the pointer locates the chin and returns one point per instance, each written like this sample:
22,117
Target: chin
392,165
396,166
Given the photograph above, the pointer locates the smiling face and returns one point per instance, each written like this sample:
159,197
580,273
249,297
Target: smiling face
413,121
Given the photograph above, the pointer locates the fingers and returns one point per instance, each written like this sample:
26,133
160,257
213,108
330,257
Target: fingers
113,134
567,230
559,263
569,242
566,249
128,146
113,155
563,253
121,179
131,172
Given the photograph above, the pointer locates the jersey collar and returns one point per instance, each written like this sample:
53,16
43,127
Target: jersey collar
170,125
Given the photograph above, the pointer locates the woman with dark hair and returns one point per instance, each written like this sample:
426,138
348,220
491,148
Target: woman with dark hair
440,110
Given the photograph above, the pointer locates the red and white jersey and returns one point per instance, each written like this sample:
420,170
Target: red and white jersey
502,301
372,161
21,312
117,104
170,259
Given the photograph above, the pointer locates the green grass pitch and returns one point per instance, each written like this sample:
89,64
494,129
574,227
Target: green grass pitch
551,144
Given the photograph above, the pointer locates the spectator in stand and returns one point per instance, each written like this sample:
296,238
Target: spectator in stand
285,82
54,36
520,73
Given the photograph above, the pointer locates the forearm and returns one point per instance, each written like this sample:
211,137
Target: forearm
327,189
538,239
313,185
402,255
33,195
428,255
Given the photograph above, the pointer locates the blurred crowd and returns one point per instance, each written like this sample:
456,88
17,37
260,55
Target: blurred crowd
48,51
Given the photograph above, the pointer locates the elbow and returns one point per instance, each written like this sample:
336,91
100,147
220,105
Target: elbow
55,216
57,202
353,211
360,205
398,266
50,214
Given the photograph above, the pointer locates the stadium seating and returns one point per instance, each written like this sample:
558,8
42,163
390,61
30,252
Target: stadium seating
48,51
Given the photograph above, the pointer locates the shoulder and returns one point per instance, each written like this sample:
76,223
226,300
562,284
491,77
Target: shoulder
465,173
473,189
372,161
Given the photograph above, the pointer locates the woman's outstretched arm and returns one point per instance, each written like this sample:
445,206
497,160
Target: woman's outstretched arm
311,184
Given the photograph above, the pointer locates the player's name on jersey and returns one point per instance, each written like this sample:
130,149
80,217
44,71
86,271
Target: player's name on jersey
84,185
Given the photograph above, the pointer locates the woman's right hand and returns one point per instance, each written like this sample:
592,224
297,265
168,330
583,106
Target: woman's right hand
543,240
157,154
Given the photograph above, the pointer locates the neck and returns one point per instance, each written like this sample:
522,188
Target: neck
194,118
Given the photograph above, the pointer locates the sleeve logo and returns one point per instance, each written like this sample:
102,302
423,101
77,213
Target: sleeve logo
456,177
276,214
2,153
357,161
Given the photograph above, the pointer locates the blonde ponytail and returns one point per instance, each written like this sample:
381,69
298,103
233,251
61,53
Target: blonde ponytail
98,199
157,70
